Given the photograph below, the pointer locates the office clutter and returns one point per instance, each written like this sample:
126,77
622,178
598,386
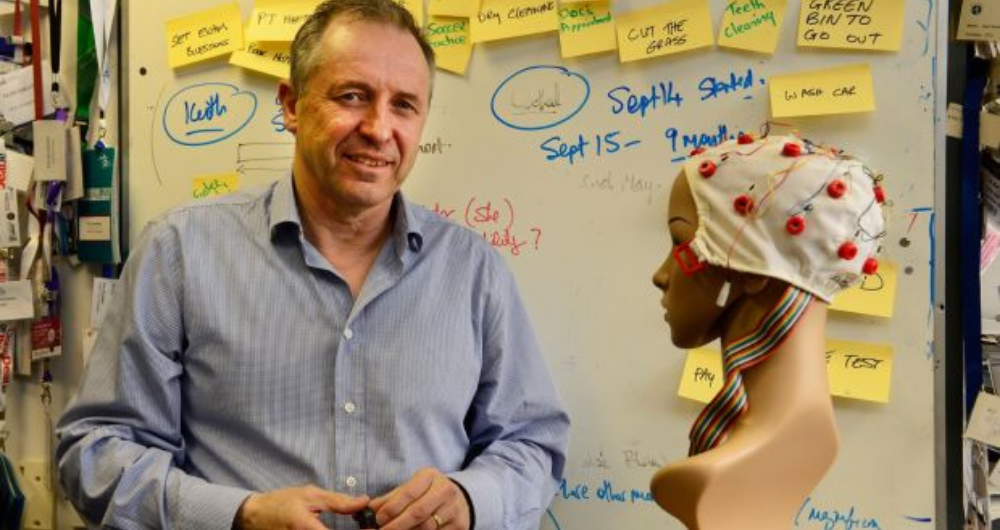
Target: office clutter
59,210
979,23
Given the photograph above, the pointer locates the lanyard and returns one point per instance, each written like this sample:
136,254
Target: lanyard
18,37
36,58
17,18
55,50
102,14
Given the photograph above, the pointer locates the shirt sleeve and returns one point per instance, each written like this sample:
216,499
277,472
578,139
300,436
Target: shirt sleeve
518,427
120,444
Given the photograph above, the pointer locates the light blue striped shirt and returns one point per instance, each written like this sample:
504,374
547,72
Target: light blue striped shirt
234,359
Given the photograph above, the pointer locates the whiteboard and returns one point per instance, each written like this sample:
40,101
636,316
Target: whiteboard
584,236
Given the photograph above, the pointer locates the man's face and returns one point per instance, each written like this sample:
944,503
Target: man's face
358,122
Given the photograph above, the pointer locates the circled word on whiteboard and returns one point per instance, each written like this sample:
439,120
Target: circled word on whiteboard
539,97
494,219
207,113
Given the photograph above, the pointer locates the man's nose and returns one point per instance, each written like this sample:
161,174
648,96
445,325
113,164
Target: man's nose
376,125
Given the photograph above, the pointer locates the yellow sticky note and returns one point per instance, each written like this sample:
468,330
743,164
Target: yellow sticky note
852,24
212,185
673,27
840,90
859,370
453,8
752,25
855,370
586,27
876,295
702,377
416,8
273,59
204,35
505,19
278,20
449,37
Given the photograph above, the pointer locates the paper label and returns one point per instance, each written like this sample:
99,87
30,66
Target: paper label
10,222
17,94
46,338
979,20
204,35
855,370
664,29
505,19
875,295
984,424
585,28
852,24
278,20
273,59
74,184
858,370
16,300
752,25
215,185
839,90
20,169
451,41
104,290
95,229
453,8
50,138
6,352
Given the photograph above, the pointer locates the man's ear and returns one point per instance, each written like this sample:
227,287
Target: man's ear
288,98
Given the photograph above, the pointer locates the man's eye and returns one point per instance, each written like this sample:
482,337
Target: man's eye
406,105
350,97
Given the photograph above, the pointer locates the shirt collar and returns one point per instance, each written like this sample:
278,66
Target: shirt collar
407,232
283,210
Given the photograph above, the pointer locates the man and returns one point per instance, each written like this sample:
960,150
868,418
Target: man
323,345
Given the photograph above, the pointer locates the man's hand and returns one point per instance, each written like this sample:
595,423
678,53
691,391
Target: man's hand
428,501
293,509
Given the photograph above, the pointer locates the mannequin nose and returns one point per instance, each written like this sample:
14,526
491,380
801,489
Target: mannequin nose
661,278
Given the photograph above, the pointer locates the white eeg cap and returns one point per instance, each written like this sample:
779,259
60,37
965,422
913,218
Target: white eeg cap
786,208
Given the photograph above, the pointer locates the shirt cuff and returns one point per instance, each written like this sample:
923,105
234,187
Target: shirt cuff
484,494
208,506
468,501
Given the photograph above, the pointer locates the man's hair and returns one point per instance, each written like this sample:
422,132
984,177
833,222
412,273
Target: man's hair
307,49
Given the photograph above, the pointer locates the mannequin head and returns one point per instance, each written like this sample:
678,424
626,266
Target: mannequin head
763,231
750,217
691,300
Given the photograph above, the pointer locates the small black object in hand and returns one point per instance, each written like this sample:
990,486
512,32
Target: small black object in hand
365,518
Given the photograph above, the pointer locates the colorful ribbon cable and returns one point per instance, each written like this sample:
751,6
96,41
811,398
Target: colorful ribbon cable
721,413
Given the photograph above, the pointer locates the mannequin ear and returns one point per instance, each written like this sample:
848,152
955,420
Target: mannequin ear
753,284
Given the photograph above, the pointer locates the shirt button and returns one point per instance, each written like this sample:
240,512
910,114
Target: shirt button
349,407
348,334
351,482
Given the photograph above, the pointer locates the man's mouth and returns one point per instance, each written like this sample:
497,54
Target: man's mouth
368,161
